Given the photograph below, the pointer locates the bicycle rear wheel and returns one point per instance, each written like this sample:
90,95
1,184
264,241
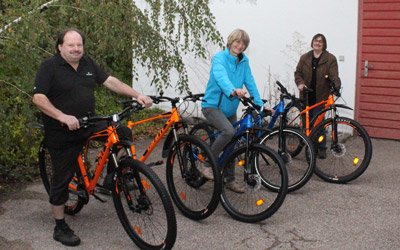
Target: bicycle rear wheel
257,202
349,156
194,196
299,167
204,132
143,206
75,202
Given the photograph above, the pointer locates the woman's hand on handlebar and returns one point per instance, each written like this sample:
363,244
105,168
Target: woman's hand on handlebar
239,93
301,86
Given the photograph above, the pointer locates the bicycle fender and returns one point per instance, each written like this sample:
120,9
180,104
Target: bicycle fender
343,106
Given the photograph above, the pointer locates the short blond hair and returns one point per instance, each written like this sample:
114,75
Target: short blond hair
238,35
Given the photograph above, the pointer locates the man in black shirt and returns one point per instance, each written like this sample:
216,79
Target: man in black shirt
64,91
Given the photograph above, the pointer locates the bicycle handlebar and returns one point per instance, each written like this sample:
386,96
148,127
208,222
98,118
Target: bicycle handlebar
129,106
194,97
285,93
333,88
248,102
175,100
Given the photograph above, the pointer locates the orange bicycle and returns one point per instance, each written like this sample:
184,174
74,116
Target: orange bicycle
140,199
187,155
348,143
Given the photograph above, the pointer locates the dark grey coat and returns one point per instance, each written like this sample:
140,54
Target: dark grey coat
327,66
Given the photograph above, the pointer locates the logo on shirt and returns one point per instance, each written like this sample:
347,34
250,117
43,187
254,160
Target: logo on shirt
89,74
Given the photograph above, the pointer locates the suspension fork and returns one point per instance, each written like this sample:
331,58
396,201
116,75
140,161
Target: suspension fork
247,169
334,127
178,151
281,135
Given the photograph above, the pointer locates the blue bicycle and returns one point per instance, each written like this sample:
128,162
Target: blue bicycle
295,148
292,145
251,164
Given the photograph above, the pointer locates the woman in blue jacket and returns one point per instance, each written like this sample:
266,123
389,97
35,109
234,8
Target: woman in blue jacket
230,70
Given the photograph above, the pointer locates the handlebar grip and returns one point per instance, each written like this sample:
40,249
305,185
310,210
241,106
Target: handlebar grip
193,97
282,88
84,122
307,89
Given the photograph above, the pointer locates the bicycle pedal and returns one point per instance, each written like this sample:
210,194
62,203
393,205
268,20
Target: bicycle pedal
98,198
155,163
103,190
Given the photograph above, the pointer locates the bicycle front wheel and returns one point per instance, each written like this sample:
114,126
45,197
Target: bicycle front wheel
75,201
300,167
196,197
254,202
143,206
348,156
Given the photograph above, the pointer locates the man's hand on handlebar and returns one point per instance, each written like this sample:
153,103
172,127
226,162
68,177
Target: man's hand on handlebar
145,100
69,120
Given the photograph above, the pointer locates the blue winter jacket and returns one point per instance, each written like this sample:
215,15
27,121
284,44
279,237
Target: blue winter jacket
227,75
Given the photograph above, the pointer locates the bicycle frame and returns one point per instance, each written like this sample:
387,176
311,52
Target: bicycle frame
90,179
173,117
328,105
243,128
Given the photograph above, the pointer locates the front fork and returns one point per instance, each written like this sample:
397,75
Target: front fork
179,152
282,136
248,170
334,134
120,171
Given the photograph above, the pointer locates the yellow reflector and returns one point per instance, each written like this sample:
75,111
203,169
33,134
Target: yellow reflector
355,161
241,163
146,185
182,195
259,202
320,139
137,230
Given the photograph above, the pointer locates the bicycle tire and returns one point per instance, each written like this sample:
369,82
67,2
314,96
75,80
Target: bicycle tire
204,132
349,158
257,203
193,195
75,202
143,206
293,115
300,168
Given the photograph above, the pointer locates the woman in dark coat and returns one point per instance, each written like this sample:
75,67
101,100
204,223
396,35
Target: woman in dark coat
315,70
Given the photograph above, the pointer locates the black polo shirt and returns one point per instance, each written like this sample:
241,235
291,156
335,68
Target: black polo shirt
69,90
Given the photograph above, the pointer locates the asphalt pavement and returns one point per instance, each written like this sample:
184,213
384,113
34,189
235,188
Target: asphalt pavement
364,214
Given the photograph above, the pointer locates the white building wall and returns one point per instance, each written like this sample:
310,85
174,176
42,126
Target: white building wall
272,25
